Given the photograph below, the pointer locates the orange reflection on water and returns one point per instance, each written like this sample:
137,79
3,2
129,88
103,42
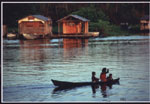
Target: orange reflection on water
31,50
34,43
74,47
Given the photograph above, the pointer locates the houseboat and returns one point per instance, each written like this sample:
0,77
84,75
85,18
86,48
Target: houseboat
35,27
74,26
145,24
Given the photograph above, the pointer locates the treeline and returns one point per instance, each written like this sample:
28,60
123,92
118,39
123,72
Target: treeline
98,13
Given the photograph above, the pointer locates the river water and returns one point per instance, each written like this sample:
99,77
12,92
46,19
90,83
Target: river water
29,66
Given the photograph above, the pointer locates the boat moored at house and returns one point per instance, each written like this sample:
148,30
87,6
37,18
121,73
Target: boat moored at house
11,36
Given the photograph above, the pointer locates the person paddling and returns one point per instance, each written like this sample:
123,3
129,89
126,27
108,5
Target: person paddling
94,79
103,75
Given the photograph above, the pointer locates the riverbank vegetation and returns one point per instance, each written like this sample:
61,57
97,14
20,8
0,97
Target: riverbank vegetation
107,18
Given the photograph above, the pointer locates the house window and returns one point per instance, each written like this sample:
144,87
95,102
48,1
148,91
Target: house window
70,24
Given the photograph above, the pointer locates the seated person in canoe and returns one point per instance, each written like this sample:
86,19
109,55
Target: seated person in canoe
94,79
109,78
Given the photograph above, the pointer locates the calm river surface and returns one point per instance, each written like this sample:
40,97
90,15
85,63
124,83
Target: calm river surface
29,66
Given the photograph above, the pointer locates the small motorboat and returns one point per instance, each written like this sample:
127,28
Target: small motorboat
94,34
77,84
11,36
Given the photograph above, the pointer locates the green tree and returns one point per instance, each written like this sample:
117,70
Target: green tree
91,13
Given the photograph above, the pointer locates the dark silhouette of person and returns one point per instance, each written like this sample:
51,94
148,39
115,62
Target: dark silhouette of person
94,79
109,78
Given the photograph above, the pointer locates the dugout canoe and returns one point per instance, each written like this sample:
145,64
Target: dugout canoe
76,84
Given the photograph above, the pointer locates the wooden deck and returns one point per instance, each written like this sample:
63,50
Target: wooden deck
71,36
89,35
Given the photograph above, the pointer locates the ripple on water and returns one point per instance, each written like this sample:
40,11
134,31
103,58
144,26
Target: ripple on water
27,71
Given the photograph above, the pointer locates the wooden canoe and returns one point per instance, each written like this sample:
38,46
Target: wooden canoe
76,84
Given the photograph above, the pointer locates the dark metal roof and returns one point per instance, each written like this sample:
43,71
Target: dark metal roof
75,16
146,17
41,17
79,17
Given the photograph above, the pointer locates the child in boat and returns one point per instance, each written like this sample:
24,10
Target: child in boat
109,78
94,79
103,75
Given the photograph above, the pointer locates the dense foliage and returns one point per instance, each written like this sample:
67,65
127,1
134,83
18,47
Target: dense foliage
104,17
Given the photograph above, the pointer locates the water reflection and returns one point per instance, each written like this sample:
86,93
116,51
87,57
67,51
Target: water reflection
23,62
73,43
31,50
74,47
103,89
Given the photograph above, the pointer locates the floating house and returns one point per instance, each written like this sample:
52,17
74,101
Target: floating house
145,23
35,26
73,24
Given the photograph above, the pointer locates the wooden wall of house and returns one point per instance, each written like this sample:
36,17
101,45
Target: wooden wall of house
35,27
86,27
73,28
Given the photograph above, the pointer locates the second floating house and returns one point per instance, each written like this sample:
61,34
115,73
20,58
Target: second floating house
74,26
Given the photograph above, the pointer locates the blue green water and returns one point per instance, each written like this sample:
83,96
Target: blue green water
29,66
